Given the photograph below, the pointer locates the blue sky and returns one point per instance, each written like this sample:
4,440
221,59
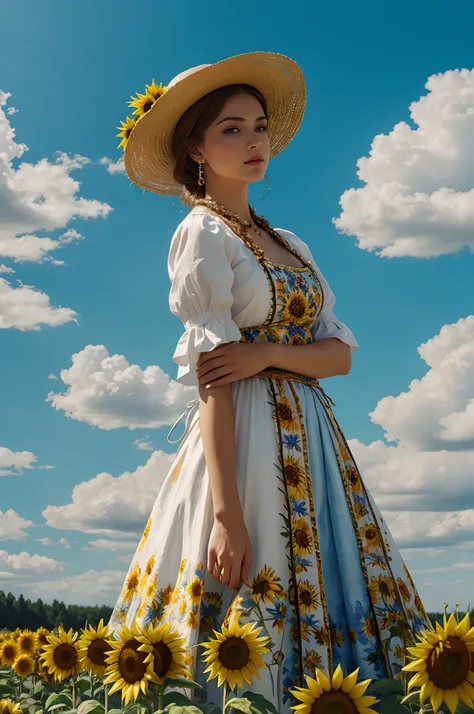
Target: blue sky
83,269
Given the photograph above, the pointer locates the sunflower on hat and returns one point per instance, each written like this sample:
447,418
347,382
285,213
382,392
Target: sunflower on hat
142,103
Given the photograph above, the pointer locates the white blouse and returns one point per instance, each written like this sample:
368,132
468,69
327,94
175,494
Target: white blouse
219,287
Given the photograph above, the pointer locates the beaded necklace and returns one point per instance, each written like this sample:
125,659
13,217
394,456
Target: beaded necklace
244,233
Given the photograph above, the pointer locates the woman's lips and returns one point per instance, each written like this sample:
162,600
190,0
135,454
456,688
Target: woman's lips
255,161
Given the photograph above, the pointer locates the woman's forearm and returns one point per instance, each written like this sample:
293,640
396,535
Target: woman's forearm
320,359
216,419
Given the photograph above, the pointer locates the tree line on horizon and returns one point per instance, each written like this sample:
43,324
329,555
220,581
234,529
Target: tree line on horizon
27,614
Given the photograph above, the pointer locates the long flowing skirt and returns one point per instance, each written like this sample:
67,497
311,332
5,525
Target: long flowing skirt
328,584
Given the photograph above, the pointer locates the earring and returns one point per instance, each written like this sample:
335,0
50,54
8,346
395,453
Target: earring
201,180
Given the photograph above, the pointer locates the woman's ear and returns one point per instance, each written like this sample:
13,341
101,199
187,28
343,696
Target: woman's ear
195,154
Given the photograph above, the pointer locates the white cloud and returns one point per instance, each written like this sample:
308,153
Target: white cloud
143,445
437,411
12,463
418,198
27,308
111,506
423,481
25,563
402,478
93,587
102,544
106,391
12,526
38,197
113,167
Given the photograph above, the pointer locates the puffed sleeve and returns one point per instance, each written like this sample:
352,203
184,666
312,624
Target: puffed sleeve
327,324
200,270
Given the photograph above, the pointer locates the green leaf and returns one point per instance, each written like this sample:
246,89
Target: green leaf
385,687
391,705
51,699
184,683
260,702
38,687
91,705
410,697
82,685
190,709
175,698
240,703
57,706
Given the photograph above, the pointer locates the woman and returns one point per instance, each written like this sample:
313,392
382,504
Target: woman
263,517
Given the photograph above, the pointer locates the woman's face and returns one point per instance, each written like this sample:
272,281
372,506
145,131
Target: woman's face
229,143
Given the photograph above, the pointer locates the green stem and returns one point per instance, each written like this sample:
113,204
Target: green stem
106,699
73,694
161,692
90,679
224,697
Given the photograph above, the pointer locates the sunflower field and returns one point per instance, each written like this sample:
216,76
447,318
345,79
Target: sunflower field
144,671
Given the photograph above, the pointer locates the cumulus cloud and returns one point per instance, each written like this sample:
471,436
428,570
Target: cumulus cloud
12,463
113,506
422,481
24,563
93,587
106,391
38,197
401,478
102,544
113,167
12,525
418,198
436,413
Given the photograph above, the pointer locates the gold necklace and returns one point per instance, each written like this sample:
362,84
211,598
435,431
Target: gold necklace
244,232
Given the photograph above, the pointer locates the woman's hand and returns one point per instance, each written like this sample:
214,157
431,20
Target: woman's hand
233,361
229,551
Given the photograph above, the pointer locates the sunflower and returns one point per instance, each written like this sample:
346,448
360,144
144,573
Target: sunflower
265,586
295,477
195,590
236,654
41,637
125,130
146,532
127,669
131,584
9,651
442,663
24,665
165,653
93,646
285,415
26,642
302,543
325,694
61,656
308,596
370,533
7,706
297,309
156,90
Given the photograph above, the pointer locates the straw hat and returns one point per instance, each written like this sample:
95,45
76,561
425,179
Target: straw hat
147,139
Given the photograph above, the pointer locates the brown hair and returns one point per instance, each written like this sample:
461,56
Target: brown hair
189,132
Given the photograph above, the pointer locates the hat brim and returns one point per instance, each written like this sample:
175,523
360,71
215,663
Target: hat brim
148,158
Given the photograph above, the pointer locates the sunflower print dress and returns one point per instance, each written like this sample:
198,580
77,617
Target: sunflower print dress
328,584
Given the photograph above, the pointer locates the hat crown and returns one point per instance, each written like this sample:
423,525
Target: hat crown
186,73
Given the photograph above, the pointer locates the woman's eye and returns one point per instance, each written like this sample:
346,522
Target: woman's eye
230,128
